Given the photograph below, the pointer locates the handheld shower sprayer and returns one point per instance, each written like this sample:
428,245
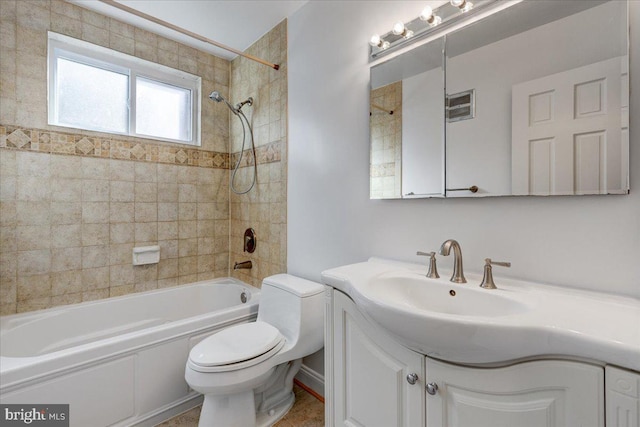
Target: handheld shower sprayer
215,95
237,110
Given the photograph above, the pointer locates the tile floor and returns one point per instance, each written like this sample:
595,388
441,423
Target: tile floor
306,412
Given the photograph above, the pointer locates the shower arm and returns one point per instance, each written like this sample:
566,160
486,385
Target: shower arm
249,101
187,32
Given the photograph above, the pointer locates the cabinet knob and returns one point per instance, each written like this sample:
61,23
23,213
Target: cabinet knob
412,378
432,388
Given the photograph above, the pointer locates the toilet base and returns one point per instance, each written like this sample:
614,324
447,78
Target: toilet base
238,410
235,410
267,419
260,406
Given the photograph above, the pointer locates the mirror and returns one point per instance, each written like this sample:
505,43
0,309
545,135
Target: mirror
537,104
407,124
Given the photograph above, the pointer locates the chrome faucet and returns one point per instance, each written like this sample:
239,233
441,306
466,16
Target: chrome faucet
458,274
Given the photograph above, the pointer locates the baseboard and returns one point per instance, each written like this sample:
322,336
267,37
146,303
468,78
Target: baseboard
166,413
311,379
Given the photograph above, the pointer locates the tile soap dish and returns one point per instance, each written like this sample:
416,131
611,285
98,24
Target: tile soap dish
143,255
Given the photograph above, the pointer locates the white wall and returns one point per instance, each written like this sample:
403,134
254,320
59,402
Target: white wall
590,242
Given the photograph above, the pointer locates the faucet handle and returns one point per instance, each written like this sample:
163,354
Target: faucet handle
500,263
429,254
433,270
487,279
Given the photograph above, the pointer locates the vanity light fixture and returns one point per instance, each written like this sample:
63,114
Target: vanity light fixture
376,41
400,30
428,16
427,23
463,5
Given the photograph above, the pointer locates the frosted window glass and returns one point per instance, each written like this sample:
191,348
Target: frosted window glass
91,97
162,110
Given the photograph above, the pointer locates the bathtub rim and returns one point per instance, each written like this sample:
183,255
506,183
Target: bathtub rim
42,312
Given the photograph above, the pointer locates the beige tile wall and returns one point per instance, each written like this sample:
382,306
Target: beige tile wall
265,208
386,142
69,225
73,204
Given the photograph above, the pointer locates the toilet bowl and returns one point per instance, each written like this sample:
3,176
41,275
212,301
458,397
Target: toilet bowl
246,371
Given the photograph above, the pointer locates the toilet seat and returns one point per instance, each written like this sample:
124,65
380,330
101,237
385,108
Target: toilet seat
236,348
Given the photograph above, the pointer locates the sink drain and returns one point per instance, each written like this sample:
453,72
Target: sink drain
452,293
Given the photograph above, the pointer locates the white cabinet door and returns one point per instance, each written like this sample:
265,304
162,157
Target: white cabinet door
623,397
540,393
370,374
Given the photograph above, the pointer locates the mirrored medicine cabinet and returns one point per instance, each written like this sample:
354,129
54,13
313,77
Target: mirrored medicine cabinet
531,100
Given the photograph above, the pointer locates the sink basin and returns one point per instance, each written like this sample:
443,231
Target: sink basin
466,324
411,291
439,318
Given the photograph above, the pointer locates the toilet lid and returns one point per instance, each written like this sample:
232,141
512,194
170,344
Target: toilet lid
236,344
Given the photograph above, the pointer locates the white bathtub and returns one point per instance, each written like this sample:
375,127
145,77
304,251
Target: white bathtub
118,361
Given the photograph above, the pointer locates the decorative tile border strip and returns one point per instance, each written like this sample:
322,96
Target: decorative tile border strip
44,141
268,153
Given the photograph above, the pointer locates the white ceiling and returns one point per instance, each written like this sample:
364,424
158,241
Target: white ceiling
235,23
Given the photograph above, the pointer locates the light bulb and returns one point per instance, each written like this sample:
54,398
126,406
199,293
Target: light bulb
435,21
398,28
427,13
457,3
375,40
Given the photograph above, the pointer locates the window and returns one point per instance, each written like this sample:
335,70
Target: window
95,88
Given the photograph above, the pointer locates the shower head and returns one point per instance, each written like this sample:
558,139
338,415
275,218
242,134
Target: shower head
215,95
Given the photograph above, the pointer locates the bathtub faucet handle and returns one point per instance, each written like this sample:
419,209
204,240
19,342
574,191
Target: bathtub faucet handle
249,240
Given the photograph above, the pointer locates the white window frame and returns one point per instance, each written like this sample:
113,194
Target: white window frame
61,46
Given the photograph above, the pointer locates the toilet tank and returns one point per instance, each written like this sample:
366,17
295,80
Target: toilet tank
295,306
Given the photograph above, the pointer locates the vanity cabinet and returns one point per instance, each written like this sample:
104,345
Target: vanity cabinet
369,376
370,386
623,397
538,393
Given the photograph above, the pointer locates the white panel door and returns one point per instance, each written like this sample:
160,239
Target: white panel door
623,397
370,374
568,132
532,394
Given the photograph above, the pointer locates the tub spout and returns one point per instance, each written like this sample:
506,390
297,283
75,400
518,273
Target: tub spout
243,264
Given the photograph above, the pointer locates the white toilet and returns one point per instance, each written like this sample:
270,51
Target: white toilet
246,371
